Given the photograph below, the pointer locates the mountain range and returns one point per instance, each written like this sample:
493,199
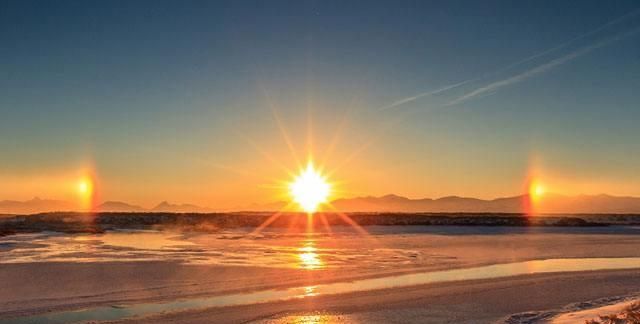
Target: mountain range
37,205
549,203
163,207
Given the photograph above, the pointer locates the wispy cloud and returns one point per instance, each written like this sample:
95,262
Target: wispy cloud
569,42
425,94
494,86
536,70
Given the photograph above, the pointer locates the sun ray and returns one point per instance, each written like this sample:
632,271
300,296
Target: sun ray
379,135
325,223
293,223
348,220
268,156
335,139
310,142
281,128
270,220
309,223
225,167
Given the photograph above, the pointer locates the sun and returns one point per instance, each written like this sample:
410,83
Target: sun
309,189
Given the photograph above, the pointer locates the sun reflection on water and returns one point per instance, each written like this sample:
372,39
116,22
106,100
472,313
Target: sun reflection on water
310,291
314,318
311,319
309,259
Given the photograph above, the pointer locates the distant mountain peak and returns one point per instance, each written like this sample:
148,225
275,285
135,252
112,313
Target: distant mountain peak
393,197
34,205
163,203
118,206
166,206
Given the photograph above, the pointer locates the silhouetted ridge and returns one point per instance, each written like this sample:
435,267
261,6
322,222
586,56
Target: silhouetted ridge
166,206
118,206
548,203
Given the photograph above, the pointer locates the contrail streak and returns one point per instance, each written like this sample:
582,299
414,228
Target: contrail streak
425,94
522,61
540,68
569,42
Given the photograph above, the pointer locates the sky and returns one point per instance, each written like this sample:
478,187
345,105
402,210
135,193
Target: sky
218,103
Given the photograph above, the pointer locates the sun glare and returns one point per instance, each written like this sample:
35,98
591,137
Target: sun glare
309,189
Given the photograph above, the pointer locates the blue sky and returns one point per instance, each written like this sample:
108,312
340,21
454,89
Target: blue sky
176,100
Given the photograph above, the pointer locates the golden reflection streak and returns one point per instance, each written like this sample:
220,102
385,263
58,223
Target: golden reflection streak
310,291
312,319
309,259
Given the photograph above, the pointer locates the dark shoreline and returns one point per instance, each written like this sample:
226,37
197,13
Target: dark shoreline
74,222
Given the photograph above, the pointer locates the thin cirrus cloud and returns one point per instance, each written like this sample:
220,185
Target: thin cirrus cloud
426,94
496,85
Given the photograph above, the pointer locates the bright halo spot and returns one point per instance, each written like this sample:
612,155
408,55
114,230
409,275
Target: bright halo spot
309,189
536,191
85,191
83,187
